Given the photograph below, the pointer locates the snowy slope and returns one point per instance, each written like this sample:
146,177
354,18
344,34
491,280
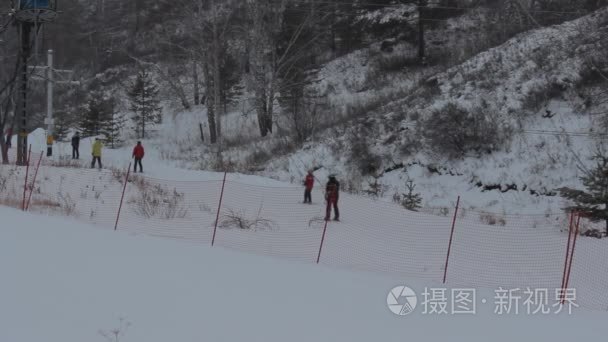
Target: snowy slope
490,249
67,282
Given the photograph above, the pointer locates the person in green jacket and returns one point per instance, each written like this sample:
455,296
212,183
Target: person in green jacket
97,146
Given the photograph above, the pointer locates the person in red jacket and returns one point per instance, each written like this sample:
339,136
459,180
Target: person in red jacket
309,181
138,154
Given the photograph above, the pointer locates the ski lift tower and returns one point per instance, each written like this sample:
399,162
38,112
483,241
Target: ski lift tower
30,14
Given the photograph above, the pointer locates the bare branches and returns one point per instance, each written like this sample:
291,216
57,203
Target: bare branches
238,219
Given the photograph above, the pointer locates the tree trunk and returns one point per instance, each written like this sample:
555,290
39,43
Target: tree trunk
421,4
209,101
269,107
216,75
143,113
211,121
3,148
261,112
195,80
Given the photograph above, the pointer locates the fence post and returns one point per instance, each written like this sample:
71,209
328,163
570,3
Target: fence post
447,257
27,170
123,196
219,208
29,198
578,220
322,240
567,249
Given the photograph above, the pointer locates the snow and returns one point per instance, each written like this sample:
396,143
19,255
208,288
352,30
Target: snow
374,235
66,281
154,163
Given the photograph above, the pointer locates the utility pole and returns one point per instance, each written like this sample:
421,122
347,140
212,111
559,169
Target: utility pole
29,14
50,82
49,104
24,30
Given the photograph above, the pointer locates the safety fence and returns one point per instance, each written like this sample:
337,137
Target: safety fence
457,246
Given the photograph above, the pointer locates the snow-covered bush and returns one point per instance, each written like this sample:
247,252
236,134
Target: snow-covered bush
455,131
361,157
492,219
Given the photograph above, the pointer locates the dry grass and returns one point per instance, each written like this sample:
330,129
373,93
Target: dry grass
11,202
492,219
67,163
234,219
157,201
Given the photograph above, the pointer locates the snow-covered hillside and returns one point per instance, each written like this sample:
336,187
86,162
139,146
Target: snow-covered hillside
536,84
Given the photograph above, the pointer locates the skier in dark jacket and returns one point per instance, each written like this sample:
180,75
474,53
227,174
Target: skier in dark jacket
75,146
332,193
138,154
309,181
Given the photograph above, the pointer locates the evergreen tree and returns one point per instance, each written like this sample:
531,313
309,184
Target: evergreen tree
144,103
411,200
113,127
62,125
95,115
594,202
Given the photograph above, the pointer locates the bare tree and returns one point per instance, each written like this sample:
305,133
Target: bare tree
9,71
276,51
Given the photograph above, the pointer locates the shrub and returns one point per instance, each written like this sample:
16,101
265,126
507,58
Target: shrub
410,142
234,219
361,157
411,200
66,162
492,219
156,201
396,62
455,131
67,205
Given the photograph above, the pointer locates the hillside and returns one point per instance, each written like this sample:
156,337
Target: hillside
545,72
538,90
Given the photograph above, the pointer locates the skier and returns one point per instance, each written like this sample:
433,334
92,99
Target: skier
332,191
97,146
138,154
309,181
75,146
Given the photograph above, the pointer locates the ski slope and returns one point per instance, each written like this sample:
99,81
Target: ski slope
65,281
374,236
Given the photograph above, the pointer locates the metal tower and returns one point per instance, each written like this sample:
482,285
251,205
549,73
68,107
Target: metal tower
30,14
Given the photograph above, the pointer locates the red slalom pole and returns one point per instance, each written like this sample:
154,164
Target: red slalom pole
447,257
29,198
219,208
567,249
122,197
27,170
578,220
322,240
